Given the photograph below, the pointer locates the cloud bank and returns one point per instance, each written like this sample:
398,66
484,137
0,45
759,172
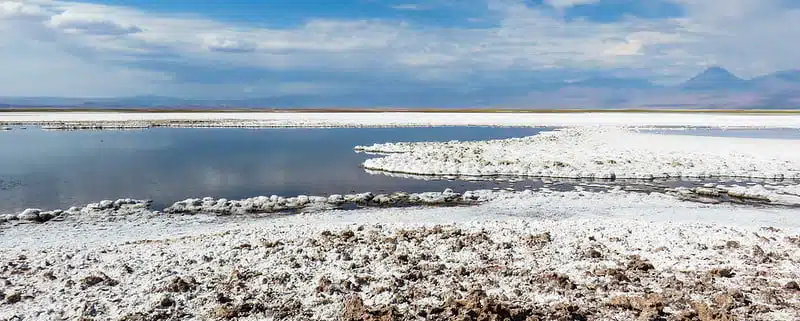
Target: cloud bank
64,48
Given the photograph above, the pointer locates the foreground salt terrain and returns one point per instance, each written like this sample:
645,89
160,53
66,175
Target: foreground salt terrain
588,152
111,120
519,256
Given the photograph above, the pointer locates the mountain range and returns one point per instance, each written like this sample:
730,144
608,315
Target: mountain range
714,88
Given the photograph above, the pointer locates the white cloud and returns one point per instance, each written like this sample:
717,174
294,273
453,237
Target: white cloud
19,9
751,37
409,7
748,36
226,44
627,48
561,4
43,68
76,23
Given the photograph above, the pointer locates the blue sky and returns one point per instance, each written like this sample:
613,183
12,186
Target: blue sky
288,13
244,48
282,13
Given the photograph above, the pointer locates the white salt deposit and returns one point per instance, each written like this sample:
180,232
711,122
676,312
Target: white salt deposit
786,195
546,204
602,153
611,255
538,249
100,120
105,209
108,210
275,204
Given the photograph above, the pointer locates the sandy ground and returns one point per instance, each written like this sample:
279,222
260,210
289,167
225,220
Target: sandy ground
534,256
68,120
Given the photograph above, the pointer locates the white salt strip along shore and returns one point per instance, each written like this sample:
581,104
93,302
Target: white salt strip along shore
122,208
596,182
586,152
788,195
100,120
107,210
544,256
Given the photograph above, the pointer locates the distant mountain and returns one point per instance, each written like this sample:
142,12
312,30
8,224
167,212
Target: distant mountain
786,75
612,82
778,82
715,78
713,88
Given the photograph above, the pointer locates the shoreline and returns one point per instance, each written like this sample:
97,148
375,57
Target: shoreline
770,196
314,119
396,110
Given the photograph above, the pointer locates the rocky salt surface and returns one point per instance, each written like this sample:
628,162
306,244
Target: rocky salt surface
127,209
106,209
518,270
785,196
140,209
599,153
277,204
518,256
776,195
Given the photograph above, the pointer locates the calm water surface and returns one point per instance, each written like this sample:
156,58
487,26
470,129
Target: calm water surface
58,169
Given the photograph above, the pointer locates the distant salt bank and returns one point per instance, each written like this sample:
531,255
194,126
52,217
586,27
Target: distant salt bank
605,153
103,120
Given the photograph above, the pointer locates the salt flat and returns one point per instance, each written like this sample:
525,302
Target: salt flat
393,119
609,256
594,153
525,255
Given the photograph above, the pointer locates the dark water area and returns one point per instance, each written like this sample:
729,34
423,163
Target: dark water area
59,169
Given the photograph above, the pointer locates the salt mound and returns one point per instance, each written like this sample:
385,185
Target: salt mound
106,208
592,152
277,204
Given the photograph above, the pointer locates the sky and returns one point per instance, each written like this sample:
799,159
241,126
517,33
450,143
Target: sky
223,49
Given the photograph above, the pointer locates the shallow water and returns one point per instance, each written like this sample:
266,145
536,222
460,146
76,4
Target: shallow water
58,169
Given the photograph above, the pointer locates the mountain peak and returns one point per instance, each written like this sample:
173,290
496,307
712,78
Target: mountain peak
788,75
717,72
714,78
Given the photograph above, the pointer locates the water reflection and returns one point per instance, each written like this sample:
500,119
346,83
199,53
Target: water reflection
57,169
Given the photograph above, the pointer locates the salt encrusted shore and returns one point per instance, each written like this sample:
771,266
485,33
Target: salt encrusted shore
124,208
521,256
604,153
787,196
527,255
110,120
